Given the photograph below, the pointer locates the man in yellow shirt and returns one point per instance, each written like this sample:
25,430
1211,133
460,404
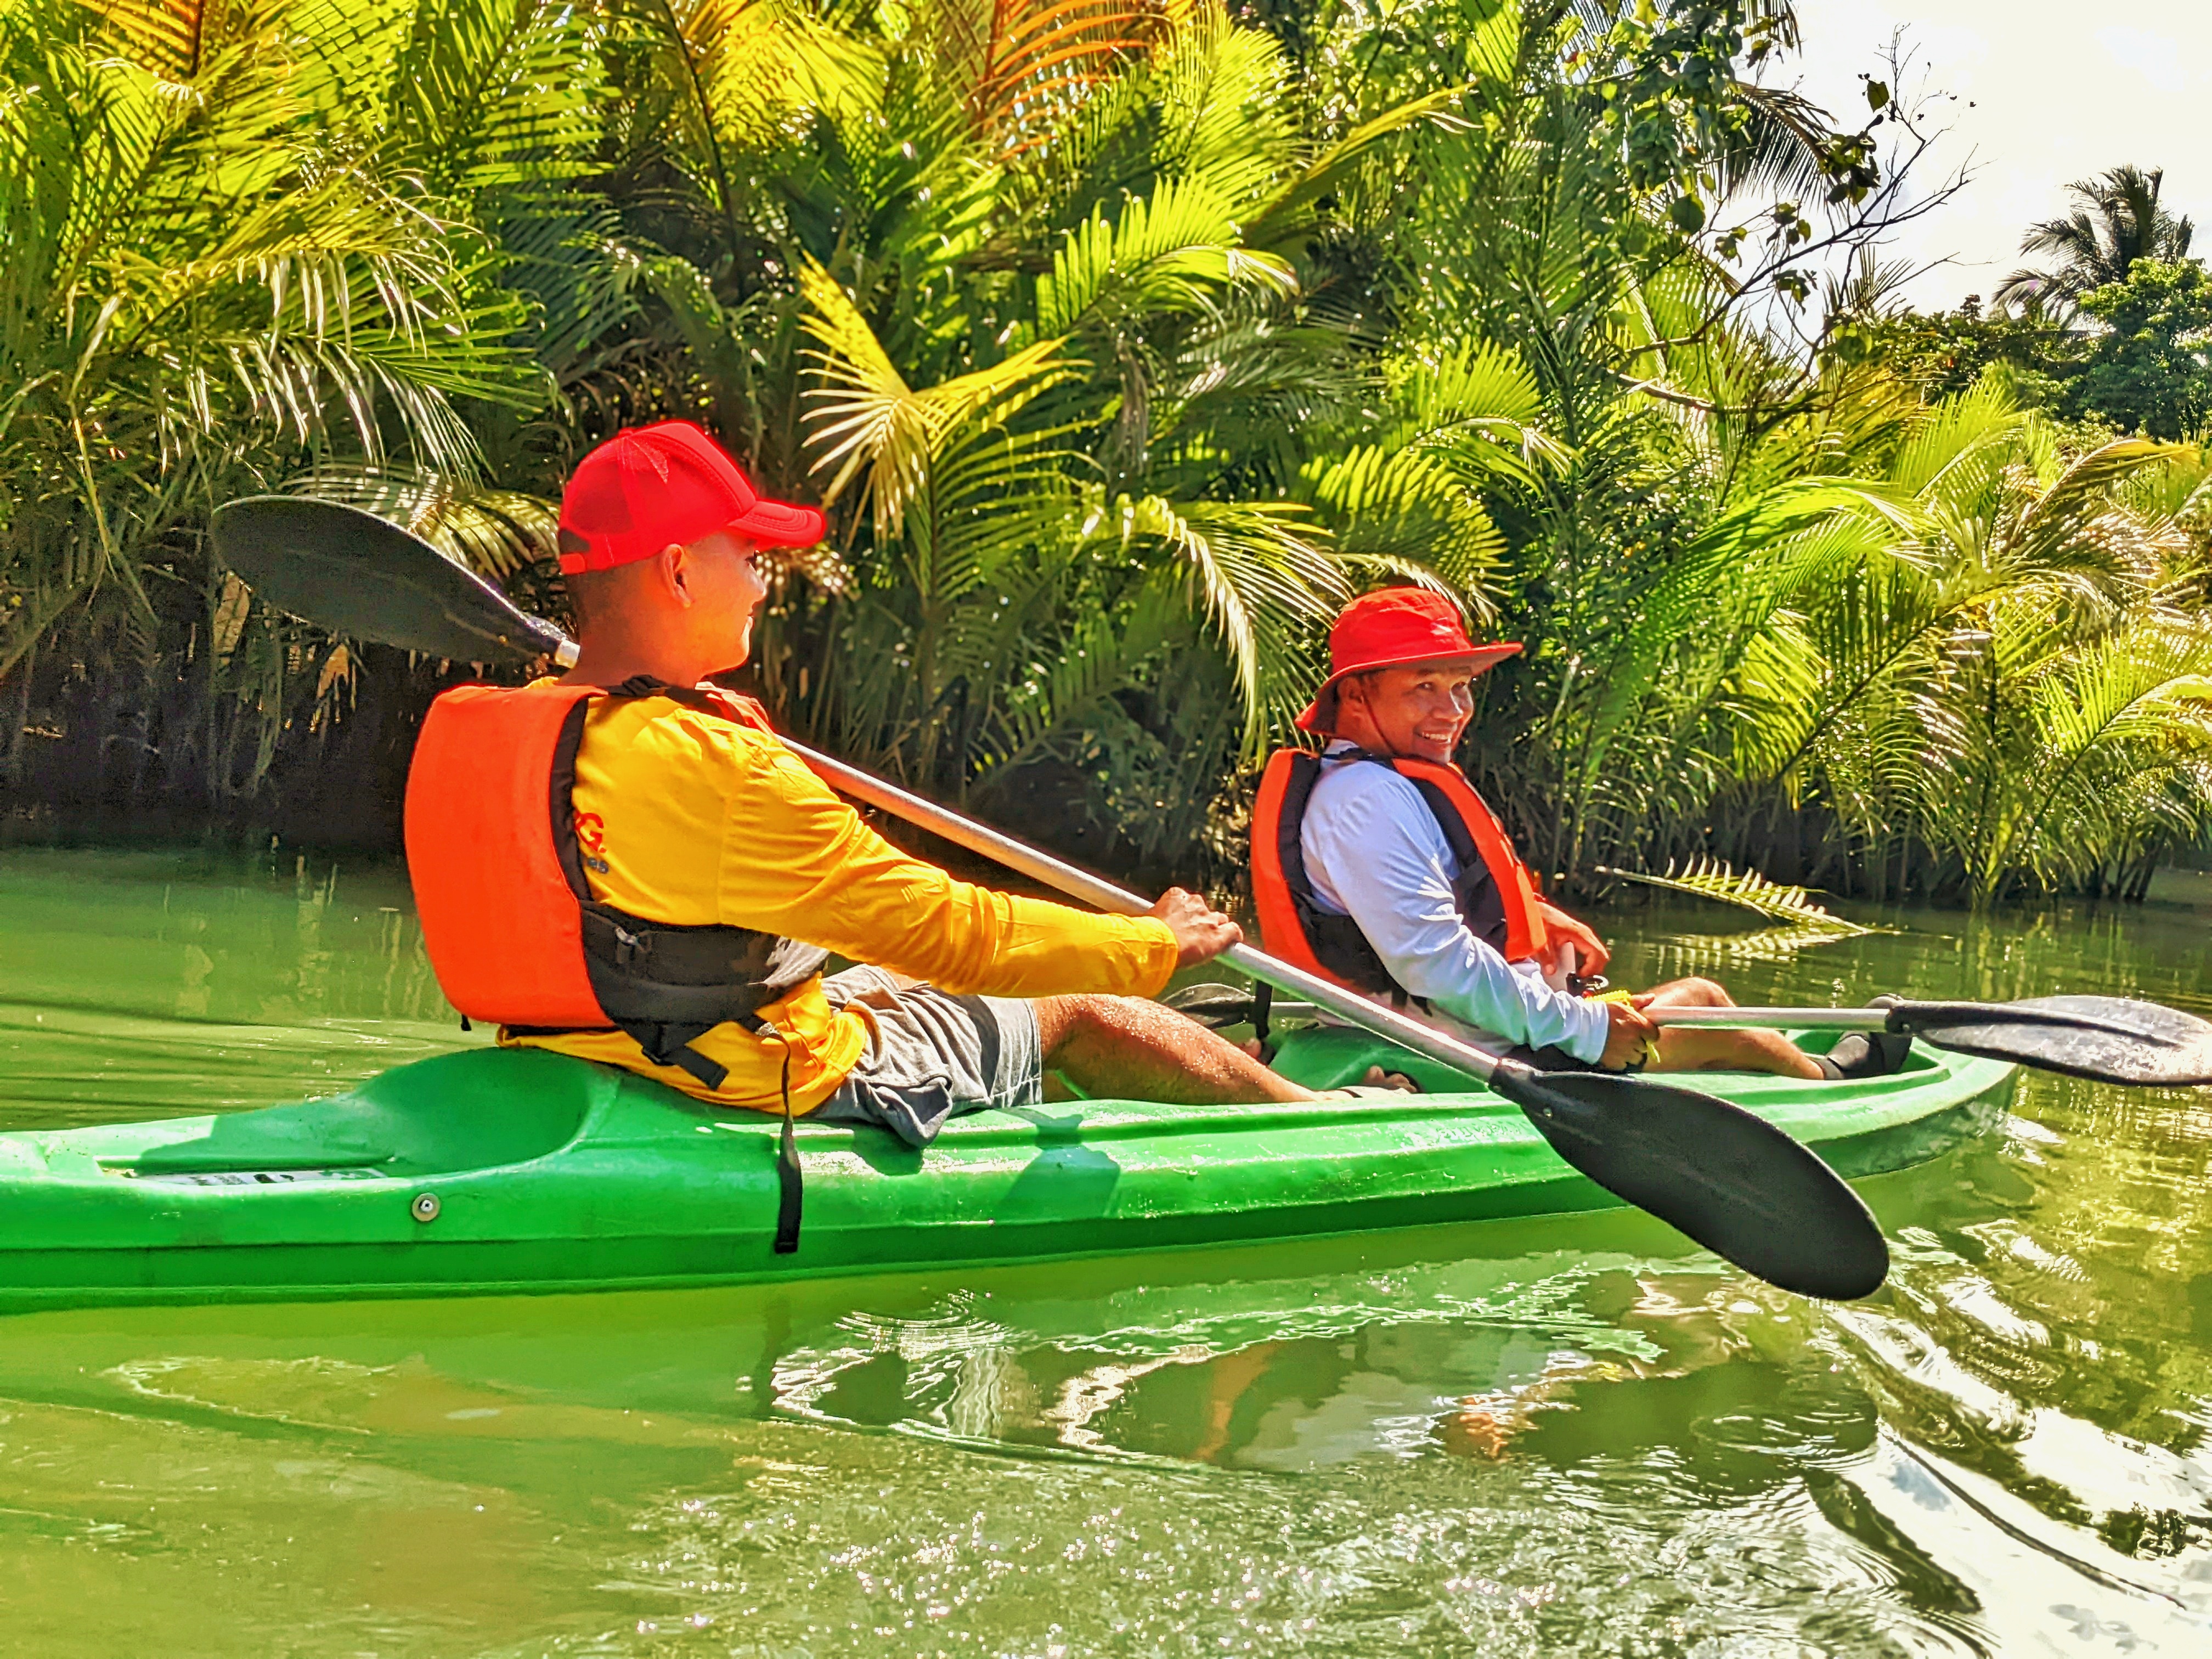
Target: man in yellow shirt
692,815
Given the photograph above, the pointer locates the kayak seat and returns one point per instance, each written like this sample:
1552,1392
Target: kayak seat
476,1109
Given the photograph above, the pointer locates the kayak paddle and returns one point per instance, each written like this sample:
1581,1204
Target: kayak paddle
2103,1039
355,573
1725,1177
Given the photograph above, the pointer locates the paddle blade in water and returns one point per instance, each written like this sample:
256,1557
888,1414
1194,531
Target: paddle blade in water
1730,1180
359,575
2105,1039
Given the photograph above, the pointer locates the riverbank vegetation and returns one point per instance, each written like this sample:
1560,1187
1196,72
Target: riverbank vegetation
1122,339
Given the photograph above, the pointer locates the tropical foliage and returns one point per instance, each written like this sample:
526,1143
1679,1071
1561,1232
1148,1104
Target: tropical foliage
242,242
2148,365
2116,220
2119,336
1122,340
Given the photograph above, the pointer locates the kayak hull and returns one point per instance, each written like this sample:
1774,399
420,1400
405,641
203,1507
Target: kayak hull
496,1171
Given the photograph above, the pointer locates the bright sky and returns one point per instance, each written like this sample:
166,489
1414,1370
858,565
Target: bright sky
2045,93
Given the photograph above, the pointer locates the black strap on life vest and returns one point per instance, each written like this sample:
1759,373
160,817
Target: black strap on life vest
1336,941
667,984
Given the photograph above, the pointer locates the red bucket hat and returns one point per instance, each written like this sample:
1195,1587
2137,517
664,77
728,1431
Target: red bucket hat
652,486
1392,628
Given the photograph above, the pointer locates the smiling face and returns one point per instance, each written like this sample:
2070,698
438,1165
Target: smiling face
1415,712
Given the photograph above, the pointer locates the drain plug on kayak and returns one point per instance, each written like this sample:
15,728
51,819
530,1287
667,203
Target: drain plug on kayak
425,1206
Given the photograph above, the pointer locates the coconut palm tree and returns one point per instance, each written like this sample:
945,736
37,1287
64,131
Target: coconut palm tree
2116,220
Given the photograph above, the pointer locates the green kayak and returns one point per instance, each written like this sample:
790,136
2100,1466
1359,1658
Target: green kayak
503,1170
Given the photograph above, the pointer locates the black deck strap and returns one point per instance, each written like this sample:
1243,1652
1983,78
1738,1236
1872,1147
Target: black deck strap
1263,1000
689,1059
791,1182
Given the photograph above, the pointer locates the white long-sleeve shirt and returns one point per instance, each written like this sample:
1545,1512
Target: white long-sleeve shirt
1374,852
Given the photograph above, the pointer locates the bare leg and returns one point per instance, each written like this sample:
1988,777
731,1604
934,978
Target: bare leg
1710,1049
1126,1049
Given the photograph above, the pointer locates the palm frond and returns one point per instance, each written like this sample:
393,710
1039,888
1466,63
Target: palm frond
868,423
494,532
1707,878
1021,65
1684,954
169,37
1404,509
1258,575
1291,211
1952,455
1169,252
1225,125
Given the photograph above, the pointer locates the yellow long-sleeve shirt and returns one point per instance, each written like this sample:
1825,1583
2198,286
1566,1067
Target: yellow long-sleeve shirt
697,820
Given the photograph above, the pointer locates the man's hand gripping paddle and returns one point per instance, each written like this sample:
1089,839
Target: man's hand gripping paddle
1729,1180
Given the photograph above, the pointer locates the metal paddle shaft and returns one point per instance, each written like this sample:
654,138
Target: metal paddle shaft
2104,1039
1103,895
1728,1179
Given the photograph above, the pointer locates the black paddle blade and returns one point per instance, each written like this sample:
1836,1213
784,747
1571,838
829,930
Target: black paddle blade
2104,1039
364,577
1728,1179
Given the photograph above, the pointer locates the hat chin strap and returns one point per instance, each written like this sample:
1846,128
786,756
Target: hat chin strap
1331,723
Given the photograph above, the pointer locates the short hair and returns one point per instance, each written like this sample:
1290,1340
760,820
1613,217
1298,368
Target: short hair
593,595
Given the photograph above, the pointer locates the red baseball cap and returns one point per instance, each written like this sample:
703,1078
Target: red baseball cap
669,484
1391,628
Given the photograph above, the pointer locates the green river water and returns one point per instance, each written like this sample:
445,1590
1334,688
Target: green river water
1570,1436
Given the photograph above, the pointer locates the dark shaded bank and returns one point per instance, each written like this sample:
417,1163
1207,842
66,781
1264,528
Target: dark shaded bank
92,757
158,754
316,757
216,721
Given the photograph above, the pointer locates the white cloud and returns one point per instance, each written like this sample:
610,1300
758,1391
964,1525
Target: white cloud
2154,57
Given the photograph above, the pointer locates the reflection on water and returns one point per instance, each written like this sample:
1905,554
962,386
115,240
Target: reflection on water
142,985
1570,1435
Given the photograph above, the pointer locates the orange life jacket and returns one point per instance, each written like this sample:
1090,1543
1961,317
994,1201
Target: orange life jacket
1495,893
513,934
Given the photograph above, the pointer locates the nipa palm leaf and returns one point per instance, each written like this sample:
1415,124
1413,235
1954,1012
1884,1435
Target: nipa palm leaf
1709,877
1709,953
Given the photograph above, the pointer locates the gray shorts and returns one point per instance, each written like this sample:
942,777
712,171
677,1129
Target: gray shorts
931,1056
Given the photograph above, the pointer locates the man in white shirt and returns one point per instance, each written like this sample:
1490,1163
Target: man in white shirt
1460,928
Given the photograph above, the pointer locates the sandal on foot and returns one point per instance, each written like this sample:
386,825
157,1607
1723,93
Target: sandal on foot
1866,1053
